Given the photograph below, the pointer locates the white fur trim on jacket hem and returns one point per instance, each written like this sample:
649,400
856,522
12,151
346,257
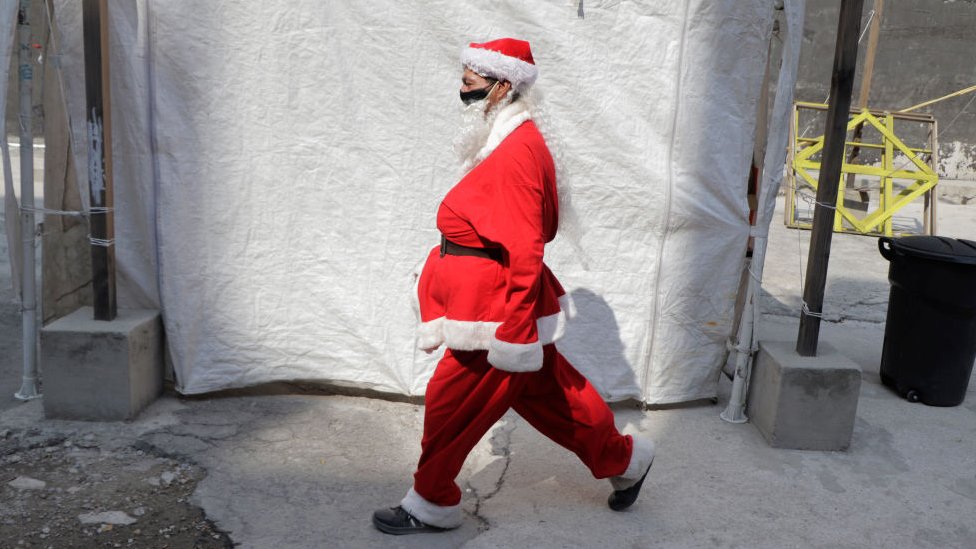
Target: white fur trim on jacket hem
435,515
640,459
515,357
500,67
467,335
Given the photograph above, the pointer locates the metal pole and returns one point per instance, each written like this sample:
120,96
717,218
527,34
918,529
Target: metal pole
102,224
835,133
735,411
28,387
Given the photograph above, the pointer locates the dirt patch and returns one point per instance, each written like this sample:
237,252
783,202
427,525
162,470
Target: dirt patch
70,491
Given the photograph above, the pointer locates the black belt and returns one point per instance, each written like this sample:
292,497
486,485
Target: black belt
450,248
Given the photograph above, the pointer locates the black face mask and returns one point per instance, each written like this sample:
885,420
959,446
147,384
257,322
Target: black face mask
469,97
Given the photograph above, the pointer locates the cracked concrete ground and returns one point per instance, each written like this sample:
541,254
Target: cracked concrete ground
301,470
307,471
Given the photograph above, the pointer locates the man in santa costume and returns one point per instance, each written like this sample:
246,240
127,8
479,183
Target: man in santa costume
486,295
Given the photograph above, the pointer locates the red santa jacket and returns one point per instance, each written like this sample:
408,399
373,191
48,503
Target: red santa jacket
508,200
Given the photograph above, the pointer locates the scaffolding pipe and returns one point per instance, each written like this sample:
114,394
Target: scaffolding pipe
28,389
744,347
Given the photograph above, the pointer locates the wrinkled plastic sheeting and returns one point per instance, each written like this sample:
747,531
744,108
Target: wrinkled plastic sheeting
781,116
290,156
11,208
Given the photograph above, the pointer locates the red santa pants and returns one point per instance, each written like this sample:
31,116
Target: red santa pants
466,396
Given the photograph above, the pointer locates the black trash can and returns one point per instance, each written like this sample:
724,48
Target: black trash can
930,331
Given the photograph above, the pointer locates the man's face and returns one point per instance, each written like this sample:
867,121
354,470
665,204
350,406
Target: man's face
471,81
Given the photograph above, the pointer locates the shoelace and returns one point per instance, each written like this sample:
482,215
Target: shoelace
403,514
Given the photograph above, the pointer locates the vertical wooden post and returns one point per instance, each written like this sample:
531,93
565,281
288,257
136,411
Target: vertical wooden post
98,114
865,92
835,133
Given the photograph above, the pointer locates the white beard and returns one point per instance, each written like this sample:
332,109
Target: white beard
473,131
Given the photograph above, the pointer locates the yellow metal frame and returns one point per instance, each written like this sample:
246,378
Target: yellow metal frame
921,174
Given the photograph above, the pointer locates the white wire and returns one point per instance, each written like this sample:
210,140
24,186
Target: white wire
867,25
806,310
68,213
812,201
105,243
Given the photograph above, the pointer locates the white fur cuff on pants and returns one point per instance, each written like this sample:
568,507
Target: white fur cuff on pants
431,513
640,459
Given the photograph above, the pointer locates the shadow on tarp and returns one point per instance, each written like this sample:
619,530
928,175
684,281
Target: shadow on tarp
593,345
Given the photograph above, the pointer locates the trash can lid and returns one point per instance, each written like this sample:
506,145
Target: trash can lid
938,248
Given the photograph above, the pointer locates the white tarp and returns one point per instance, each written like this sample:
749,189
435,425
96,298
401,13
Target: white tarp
278,166
11,208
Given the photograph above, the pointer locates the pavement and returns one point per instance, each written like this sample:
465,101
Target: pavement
307,470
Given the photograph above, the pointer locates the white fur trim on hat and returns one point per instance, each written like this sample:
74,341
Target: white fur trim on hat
442,516
500,67
641,457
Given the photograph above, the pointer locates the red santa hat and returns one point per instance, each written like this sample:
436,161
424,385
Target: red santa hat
506,59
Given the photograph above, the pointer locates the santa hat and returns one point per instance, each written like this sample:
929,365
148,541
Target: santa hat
503,59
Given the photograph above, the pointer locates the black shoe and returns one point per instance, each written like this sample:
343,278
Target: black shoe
397,521
622,499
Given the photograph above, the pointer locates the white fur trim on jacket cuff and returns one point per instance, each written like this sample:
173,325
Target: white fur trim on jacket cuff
515,357
430,335
641,457
442,516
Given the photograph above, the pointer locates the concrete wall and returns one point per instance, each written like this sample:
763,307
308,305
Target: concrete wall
926,49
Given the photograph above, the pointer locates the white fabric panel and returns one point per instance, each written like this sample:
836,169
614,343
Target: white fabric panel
707,227
299,149
781,118
781,115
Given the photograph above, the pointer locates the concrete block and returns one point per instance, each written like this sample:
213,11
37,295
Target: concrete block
101,370
803,403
